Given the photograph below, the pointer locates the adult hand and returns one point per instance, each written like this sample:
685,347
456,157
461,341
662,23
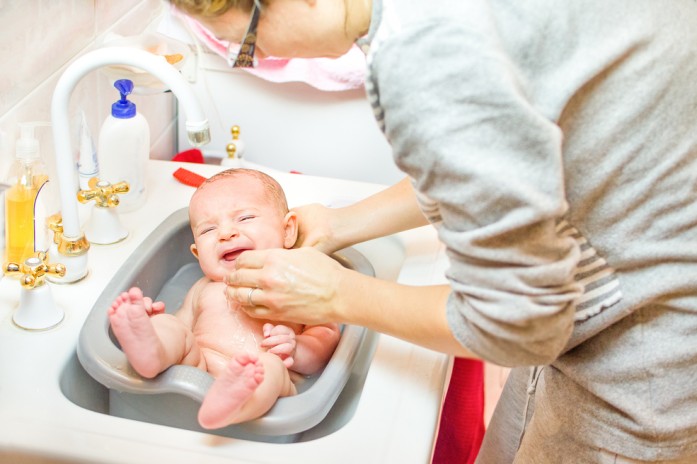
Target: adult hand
299,285
391,210
315,228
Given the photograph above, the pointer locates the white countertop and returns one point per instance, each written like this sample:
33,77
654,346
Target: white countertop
395,421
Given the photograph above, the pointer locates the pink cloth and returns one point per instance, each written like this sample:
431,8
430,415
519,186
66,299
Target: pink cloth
343,73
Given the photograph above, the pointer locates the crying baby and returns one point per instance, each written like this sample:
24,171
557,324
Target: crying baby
251,359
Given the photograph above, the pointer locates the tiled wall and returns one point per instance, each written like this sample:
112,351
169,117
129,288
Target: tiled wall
39,38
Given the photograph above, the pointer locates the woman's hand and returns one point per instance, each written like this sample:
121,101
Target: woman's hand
315,228
389,211
299,285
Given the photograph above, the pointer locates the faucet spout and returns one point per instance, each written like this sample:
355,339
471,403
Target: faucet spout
197,128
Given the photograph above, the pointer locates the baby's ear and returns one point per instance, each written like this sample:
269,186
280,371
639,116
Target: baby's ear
290,229
194,250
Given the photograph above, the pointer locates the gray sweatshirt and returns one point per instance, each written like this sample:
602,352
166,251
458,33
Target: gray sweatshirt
554,145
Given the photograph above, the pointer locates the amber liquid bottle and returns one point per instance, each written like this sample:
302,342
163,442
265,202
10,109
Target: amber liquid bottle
20,233
27,177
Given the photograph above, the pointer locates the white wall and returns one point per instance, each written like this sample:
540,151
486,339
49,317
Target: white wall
287,126
290,125
293,126
38,38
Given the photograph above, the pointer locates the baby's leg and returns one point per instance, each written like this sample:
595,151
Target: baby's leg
245,390
152,344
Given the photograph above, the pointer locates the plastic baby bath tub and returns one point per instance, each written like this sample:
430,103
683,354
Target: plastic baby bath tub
162,266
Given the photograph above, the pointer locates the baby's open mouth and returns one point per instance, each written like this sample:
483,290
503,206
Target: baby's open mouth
232,255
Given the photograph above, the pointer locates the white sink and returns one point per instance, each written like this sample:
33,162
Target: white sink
51,410
160,268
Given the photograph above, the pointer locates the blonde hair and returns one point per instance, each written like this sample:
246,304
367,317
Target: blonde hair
210,8
274,191
214,8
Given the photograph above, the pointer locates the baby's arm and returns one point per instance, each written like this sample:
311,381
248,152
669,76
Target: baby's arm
314,347
185,313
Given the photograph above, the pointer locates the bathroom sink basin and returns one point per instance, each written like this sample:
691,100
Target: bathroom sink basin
53,410
99,378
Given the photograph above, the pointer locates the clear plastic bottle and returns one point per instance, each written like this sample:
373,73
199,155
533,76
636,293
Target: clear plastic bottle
25,228
87,164
124,148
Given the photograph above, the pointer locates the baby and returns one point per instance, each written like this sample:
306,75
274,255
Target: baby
233,211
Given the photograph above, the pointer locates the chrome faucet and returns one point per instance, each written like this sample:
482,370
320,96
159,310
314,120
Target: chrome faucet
72,244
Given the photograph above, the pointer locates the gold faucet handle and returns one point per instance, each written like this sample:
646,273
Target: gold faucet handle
55,225
235,148
103,193
231,149
33,271
235,131
66,247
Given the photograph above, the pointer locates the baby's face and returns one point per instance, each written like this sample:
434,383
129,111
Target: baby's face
230,216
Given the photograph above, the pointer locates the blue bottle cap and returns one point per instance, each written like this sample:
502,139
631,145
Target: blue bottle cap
123,108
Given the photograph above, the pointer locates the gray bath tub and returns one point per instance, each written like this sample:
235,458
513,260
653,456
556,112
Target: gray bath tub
162,266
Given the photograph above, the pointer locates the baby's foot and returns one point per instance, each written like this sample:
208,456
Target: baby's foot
230,391
131,324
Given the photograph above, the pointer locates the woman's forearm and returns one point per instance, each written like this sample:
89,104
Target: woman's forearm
412,313
389,211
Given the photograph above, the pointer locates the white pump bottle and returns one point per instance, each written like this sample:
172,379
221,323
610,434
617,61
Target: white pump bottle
124,148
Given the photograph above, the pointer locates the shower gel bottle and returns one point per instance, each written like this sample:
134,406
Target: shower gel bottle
25,228
124,148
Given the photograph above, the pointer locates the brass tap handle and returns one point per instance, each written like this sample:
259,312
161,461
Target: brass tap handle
66,247
234,148
231,149
55,224
103,193
32,273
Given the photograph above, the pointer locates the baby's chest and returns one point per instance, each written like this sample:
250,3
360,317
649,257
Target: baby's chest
223,326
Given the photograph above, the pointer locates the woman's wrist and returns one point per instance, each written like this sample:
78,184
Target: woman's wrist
346,227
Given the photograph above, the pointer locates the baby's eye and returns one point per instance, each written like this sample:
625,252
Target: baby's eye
246,218
206,230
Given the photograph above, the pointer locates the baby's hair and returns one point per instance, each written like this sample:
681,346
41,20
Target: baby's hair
273,189
211,8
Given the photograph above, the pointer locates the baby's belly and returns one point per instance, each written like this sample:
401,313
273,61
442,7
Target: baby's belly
220,340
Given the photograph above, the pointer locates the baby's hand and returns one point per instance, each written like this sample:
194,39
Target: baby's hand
153,307
280,340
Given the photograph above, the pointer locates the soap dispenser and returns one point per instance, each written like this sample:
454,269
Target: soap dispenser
25,212
124,148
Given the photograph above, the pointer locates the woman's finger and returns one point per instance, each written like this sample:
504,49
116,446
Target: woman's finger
236,295
298,285
244,278
239,296
252,259
245,296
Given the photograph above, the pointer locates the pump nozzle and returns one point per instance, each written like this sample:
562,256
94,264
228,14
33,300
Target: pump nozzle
123,108
27,146
125,87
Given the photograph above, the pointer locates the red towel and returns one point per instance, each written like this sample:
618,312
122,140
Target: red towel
461,427
193,155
